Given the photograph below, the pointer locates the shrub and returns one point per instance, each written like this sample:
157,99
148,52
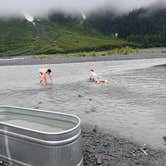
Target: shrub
123,51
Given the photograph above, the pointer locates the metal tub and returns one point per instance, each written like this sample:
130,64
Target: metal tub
30,137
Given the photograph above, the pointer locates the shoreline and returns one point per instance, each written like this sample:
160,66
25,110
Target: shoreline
103,149
29,60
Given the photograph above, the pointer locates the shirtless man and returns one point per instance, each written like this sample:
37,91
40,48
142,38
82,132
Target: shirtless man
44,73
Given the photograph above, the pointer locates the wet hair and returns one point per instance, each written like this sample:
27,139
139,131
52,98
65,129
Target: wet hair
49,70
92,70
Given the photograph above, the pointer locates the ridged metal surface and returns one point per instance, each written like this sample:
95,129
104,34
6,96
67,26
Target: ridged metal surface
22,146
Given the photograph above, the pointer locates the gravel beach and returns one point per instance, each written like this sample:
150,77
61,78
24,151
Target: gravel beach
100,147
103,149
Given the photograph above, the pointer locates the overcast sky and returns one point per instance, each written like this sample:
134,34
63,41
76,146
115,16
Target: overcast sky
41,7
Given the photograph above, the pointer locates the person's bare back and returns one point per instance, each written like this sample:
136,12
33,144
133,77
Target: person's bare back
43,76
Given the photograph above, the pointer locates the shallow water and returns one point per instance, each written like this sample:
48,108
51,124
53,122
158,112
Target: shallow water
132,104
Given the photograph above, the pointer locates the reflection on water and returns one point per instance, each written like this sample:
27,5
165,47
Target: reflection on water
132,104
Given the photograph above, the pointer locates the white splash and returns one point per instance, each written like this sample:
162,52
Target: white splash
116,35
29,18
83,15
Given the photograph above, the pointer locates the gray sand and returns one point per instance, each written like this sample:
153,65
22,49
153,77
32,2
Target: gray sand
132,104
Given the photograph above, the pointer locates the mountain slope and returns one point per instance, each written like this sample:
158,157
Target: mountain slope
62,33
18,36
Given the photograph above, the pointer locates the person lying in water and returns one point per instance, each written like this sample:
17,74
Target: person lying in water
44,74
93,77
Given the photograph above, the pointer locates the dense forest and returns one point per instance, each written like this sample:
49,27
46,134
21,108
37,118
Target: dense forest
145,26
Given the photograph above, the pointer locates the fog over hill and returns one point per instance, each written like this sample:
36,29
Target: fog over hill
10,8
63,26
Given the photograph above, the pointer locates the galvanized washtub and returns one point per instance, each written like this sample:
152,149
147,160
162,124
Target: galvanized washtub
30,137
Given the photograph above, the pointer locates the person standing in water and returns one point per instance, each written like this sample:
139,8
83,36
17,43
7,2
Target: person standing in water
93,77
44,74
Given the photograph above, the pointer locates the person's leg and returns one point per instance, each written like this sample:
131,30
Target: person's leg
43,80
100,81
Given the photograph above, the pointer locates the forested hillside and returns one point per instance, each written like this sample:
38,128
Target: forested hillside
61,33
144,26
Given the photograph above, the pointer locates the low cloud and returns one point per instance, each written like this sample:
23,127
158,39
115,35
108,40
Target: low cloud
43,7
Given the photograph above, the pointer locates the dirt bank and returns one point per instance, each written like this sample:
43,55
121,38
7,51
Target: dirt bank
103,149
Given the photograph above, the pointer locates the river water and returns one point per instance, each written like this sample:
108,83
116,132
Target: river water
132,104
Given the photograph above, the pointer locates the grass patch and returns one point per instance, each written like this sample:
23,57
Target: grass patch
39,57
123,51
92,54
92,109
119,51
85,54
81,54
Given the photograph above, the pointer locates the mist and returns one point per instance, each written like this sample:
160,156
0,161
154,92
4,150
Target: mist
10,8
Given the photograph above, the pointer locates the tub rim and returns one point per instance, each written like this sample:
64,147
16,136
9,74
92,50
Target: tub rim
46,111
